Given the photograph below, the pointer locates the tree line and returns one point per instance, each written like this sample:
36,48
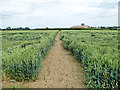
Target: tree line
47,28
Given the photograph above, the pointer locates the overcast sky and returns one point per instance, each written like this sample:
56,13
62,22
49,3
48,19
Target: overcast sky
58,13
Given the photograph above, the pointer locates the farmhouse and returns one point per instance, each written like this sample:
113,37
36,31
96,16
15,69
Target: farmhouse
86,26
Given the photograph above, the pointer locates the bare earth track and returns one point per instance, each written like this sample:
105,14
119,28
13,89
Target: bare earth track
59,70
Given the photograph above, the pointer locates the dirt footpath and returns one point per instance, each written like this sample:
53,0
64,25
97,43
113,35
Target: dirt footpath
59,70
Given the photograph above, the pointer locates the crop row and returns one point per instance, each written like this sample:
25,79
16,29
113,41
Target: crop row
23,53
98,52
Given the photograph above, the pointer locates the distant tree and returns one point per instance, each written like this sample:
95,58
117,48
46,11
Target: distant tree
102,27
113,28
82,24
20,28
46,27
8,28
27,28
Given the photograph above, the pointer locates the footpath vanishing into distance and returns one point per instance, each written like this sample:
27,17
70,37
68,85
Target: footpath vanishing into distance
59,70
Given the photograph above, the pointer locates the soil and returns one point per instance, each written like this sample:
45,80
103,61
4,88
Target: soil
59,70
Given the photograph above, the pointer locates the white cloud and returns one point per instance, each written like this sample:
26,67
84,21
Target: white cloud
55,13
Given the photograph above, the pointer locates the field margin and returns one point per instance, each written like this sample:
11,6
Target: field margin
0,59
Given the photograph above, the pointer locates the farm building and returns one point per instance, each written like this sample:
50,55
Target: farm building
86,26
